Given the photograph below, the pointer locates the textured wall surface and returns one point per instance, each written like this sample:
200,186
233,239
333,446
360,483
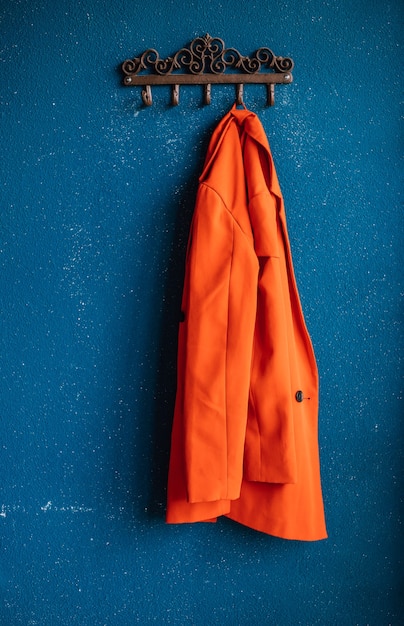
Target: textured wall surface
97,193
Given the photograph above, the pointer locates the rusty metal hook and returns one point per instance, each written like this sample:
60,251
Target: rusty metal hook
147,96
271,95
239,94
175,95
208,92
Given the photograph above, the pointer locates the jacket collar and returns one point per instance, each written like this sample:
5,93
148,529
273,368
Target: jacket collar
248,123
251,125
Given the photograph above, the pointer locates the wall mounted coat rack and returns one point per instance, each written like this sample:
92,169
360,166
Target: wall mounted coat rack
205,62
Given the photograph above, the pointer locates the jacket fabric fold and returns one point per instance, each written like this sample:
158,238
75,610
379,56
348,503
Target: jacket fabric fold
244,441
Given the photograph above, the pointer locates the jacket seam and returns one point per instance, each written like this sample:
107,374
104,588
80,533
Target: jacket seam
254,404
260,193
226,207
227,357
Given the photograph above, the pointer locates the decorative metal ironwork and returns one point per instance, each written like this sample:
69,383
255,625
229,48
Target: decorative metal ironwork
206,62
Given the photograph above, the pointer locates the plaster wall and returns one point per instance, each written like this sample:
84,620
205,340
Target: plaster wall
97,193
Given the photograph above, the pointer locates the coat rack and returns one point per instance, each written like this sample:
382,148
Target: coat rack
205,62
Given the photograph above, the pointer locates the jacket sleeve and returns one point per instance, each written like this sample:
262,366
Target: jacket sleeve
219,304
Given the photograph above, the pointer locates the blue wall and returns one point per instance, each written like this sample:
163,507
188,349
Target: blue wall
97,194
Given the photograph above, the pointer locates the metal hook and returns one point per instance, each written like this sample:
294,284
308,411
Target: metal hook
175,95
147,96
239,93
271,95
207,93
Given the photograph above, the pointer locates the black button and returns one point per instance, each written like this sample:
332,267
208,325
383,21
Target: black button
299,396
182,316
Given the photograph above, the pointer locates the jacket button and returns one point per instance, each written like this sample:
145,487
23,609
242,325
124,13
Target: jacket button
299,396
182,316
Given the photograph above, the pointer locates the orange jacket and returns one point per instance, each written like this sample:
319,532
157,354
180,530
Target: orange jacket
244,439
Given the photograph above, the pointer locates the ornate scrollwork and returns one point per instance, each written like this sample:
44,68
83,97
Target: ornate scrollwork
206,61
206,55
